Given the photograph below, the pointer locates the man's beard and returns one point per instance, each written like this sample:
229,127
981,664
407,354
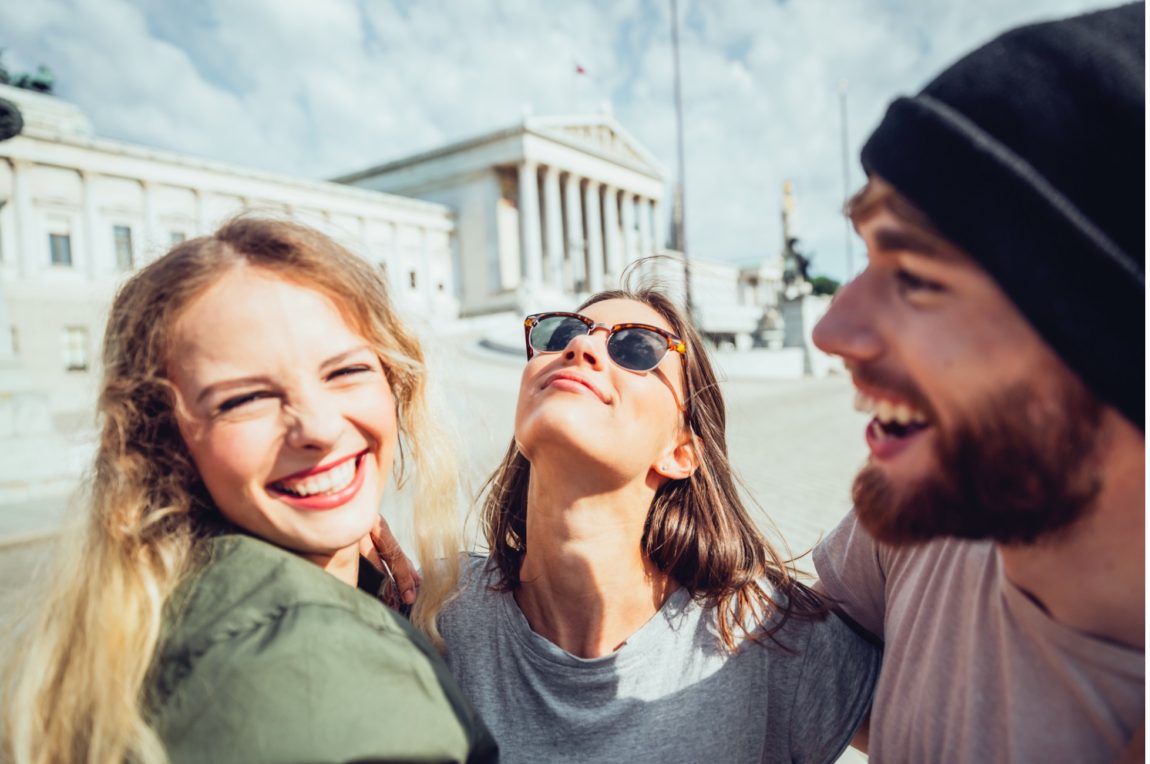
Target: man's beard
1013,473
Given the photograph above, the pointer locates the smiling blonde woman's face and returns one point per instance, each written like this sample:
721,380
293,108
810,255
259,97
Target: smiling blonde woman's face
286,411
578,402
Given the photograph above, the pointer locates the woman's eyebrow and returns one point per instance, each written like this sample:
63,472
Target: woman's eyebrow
339,358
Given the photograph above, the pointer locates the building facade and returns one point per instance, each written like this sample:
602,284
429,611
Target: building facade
78,214
545,211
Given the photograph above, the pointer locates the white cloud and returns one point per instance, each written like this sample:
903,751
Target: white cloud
321,88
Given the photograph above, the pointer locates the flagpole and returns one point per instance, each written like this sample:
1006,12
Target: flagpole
679,211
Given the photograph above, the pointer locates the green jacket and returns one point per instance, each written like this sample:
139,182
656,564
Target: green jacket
265,657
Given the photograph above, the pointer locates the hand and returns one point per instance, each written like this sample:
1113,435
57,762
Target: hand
383,551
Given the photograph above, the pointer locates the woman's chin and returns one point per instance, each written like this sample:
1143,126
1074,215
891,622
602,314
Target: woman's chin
554,432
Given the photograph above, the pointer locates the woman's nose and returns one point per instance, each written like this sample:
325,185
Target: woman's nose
314,423
586,349
848,329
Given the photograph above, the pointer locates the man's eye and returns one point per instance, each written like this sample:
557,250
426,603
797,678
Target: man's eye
348,371
908,282
240,400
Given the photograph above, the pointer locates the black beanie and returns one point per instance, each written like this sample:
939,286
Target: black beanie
1029,154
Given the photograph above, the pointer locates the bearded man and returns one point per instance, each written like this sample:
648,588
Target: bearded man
997,335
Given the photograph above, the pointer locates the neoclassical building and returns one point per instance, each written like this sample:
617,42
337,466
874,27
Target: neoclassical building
545,210
79,213
531,217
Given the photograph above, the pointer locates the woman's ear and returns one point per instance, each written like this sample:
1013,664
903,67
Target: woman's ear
681,460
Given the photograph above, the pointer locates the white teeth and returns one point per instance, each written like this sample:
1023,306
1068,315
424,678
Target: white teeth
888,412
884,411
335,479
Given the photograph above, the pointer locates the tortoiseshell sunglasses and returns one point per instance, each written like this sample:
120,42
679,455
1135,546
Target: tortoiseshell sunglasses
636,347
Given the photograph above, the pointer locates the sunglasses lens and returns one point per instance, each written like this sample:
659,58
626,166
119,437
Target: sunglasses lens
637,349
554,333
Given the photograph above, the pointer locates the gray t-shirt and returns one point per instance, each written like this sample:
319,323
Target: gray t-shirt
974,670
670,693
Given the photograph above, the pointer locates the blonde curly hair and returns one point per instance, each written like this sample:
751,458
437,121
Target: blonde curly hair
75,672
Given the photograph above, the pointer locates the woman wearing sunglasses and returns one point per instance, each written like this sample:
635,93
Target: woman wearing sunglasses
629,609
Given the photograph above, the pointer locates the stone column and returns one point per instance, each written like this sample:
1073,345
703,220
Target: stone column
426,287
202,222
644,213
553,228
658,225
91,245
611,236
151,244
575,257
530,242
594,238
25,229
364,244
630,250
396,276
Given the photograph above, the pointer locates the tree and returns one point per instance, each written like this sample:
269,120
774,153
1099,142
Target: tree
824,285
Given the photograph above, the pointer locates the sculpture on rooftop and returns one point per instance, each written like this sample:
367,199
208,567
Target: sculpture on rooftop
40,81
11,122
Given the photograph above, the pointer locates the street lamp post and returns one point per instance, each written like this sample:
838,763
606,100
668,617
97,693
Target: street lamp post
846,176
679,212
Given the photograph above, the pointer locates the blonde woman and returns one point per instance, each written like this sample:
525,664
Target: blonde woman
257,384
629,609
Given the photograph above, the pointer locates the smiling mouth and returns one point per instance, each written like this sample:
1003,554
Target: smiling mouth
330,481
891,419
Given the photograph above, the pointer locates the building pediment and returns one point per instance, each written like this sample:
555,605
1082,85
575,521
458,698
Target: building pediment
600,135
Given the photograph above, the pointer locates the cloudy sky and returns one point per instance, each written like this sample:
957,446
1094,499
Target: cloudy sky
322,87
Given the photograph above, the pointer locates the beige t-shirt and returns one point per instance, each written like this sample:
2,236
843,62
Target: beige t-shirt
973,669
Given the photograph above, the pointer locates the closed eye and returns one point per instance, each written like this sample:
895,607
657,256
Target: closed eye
347,371
240,400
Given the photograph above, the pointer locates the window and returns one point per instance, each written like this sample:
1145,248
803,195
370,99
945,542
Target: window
15,341
75,348
123,236
60,245
411,278
177,237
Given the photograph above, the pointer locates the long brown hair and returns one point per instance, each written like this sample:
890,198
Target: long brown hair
697,531
76,674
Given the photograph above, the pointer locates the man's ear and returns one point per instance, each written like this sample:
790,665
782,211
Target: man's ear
681,460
